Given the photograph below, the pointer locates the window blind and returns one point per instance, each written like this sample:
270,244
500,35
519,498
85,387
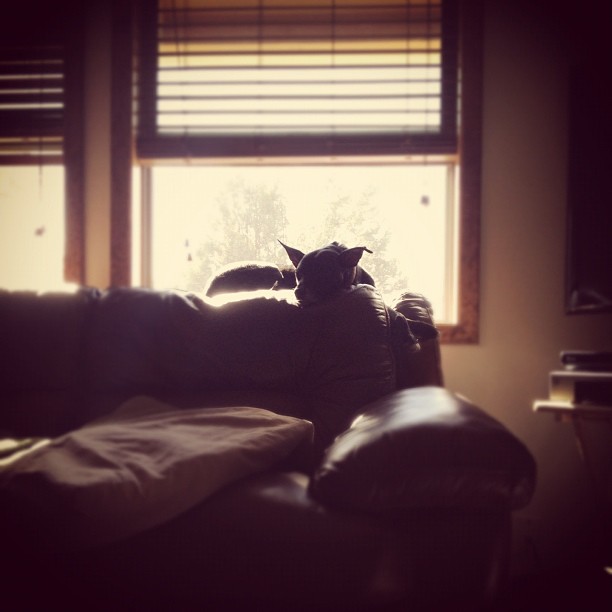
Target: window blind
32,78
297,77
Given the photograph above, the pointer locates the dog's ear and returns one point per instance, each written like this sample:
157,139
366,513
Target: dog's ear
294,255
350,258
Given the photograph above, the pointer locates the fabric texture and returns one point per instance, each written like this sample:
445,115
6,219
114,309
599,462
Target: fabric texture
141,466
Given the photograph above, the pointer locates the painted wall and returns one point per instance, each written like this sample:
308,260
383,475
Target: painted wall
97,145
523,325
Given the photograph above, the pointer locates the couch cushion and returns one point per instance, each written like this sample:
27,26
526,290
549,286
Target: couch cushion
337,354
262,544
40,413
425,447
41,339
351,360
161,341
40,336
140,466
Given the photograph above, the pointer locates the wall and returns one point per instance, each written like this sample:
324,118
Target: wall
97,101
523,325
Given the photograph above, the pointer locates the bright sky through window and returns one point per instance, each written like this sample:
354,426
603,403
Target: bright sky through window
31,227
205,217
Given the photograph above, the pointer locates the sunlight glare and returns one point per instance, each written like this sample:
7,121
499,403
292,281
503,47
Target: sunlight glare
32,227
381,207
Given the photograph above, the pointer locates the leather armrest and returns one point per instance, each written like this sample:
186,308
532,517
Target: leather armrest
422,367
425,447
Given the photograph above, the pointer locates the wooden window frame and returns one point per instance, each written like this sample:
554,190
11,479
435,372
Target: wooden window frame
466,330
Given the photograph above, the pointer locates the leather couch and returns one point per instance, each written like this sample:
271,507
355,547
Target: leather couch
402,500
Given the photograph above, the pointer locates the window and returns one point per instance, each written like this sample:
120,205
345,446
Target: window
39,147
233,213
248,108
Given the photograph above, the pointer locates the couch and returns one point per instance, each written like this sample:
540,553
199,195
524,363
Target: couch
354,479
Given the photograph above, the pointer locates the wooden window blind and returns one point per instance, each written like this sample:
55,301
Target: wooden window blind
33,48
245,78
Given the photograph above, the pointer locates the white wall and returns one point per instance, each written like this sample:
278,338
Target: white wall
523,325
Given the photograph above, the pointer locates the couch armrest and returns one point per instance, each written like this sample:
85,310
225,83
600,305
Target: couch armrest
425,448
423,367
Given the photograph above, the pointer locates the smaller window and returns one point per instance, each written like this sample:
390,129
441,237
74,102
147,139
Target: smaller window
41,145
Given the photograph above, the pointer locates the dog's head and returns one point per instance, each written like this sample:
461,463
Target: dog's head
325,272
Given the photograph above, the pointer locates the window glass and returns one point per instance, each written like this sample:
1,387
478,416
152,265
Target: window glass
203,218
31,227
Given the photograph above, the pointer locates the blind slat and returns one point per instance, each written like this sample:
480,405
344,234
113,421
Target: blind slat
32,101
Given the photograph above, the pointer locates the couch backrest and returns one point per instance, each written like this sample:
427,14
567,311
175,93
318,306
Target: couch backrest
337,354
41,339
61,350
41,347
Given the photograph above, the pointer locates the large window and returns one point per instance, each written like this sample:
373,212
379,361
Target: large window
310,122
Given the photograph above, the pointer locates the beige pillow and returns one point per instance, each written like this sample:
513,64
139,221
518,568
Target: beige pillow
141,466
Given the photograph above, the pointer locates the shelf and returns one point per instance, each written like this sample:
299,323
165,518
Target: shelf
569,408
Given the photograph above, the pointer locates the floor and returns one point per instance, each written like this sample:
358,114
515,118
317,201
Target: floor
569,589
